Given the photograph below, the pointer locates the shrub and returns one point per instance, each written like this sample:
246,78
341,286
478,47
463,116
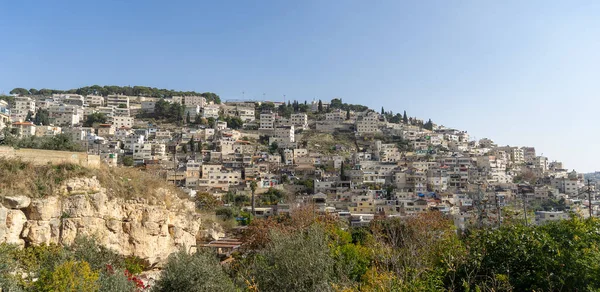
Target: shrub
224,212
112,280
128,161
97,256
135,265
298,261
8,281
206,201
197,272
69,276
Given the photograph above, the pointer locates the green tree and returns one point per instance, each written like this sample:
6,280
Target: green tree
211,122
320,106
188,118
347,114
33,91
42,117
192,145
405,118
94,119
300,261
19,91
29,116
273,148
382,111
198,272
428,125
128,160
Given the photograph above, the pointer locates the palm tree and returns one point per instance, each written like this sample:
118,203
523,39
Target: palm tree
253,187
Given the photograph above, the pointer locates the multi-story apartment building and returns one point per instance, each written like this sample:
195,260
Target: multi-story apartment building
299,120
117,101
4,114
142,151
65,115
368,124
24,129
190,100
337,115
94,100
284,136
122,112
192,111
23,105
122,122
211,111
267,121
529,154
246,114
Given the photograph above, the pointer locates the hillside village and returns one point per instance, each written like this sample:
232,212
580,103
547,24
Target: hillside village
347,160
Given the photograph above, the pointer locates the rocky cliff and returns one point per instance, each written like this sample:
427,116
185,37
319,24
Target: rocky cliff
149,228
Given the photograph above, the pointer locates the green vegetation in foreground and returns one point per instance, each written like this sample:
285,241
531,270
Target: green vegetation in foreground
307,253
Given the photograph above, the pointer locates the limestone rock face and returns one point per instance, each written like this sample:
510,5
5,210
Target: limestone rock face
83,207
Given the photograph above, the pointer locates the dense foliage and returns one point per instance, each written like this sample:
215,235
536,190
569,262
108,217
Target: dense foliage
309,252
82,266
94,119
60,142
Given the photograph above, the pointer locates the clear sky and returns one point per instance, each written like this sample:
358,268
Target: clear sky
519,72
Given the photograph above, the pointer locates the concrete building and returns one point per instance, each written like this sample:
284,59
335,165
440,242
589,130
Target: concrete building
368,124
246,114
94,100
65,115
122,122
4,114
210,111
24,129
23,105
299,121
190,100
117,101
267,121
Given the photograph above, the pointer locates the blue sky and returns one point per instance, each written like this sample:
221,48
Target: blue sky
519,72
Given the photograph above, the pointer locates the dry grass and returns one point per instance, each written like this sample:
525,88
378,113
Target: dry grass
24,178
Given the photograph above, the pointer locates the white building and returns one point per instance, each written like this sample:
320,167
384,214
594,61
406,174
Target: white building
368,123
190,100
24,129
4,114
246,114
65,115
148,106
299,120
123,122
117,101
142,151
336,115
23,105
94,100
542,217
267,121
193,111
122,112
210,111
